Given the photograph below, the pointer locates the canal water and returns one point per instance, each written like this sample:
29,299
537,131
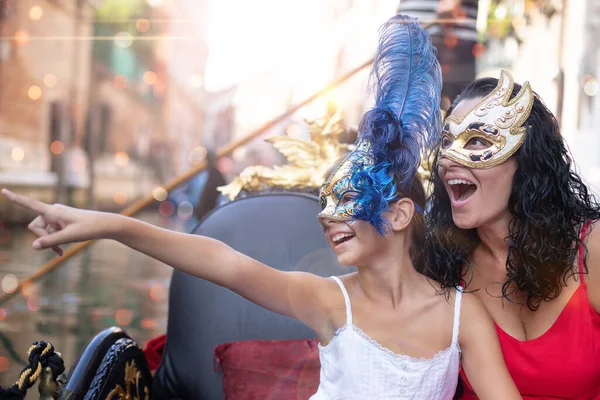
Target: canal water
105,285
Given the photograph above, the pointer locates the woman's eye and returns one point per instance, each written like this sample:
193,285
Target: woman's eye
478,143
347,198
446,142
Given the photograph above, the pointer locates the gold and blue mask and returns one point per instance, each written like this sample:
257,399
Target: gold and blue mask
338,195
496,123
359,188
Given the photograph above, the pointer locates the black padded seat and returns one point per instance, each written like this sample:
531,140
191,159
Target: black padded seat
278,229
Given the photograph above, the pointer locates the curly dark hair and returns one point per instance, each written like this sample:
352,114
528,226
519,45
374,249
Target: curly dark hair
549,203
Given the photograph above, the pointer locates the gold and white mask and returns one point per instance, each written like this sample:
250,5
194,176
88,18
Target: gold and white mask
492,131
338,195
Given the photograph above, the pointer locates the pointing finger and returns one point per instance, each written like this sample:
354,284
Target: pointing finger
27,202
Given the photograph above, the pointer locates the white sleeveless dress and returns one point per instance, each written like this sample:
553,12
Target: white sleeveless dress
356,367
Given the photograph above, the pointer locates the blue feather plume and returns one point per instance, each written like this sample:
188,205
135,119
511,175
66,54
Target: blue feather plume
406,120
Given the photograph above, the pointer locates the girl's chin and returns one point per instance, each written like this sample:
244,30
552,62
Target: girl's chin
346,261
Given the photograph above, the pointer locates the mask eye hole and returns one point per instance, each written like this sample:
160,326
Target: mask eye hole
347,197
478,143
323,201
446,142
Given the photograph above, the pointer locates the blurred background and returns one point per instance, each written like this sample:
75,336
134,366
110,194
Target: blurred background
104,101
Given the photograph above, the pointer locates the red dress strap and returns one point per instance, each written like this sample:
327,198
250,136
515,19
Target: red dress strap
584,230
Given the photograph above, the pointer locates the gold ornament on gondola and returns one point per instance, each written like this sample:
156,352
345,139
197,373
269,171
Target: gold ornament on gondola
308,161
132,386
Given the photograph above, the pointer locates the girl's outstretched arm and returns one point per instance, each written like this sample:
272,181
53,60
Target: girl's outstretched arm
295,294
482,357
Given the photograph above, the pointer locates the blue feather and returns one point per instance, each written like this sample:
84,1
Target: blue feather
377,189
405,123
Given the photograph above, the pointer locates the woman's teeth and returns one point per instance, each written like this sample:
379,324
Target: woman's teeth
340,237
462,189
458,182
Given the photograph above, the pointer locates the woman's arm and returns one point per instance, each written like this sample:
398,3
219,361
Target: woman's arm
482,357
295,294
592,241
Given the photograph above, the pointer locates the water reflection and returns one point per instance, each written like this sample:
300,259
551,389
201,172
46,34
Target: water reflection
106,284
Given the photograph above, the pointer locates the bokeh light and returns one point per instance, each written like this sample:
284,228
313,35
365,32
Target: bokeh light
148,323
36,13
478,50
34,92
57,147
159,193
28,289
590,85
50,80
157,292
9,283
501,11
17,154
185,210
123,39
120,197
120,81
149,77
123,316
166,209
2,314
33,304
21,37
142,25
197,154
121,159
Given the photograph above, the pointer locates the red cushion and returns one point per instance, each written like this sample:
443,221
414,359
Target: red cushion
154,351
269,369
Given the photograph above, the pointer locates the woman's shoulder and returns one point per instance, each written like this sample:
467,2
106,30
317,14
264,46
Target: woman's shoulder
592,242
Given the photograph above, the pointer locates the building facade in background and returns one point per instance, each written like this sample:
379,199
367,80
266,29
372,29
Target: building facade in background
44,81
100,99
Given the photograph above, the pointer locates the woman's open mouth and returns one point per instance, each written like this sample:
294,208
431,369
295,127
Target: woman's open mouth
461,190
341,238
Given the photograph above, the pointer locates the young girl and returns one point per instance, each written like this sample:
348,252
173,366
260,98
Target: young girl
385,331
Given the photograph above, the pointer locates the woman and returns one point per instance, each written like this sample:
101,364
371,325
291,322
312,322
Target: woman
513,222
385,331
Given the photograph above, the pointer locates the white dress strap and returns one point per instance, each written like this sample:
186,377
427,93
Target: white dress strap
456,324
346,300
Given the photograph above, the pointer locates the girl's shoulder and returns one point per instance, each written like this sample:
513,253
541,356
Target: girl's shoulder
474,317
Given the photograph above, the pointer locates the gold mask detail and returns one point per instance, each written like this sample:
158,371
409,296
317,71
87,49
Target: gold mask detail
496,123
337,195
